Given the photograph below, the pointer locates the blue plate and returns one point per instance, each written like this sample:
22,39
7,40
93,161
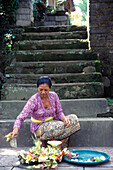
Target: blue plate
87,154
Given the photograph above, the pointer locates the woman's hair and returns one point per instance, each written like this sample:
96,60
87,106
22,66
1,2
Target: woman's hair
43,80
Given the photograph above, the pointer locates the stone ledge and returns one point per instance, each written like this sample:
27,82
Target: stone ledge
81,107
23,23
94,132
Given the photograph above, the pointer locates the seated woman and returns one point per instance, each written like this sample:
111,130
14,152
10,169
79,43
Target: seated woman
48,121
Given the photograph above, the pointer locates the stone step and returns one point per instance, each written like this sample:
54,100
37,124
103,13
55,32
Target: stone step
56,78
54,55
65,90
94,132
52,35
51,44
52,67
9,109
62,28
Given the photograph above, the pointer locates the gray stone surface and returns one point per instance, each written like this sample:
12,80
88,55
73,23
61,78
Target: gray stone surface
23,23
89,69
106,81
94,132
51,67
101,39
23,17
70,168
64,90
85,107
24,11
17,168
81,107
6,168
61,18
11,162
98,168
50,23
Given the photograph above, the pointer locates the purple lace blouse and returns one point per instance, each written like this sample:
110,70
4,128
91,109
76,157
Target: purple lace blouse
35,108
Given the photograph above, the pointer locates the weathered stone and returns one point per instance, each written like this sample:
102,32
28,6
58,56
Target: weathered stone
101,17
52,35
93,128
76,90
9,109
24,11
49,23
51,67
54,44
56,78
23,17
65,28
89,69
54,55
96,128
106,81
60,18
23,23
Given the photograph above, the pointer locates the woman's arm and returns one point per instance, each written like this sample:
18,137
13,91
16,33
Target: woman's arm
27,111
60,113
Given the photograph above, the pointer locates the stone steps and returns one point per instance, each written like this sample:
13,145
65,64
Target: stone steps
62,28
52,67
52,35
51,44
64,57
65,90
9,109
56,78
95,132
54,55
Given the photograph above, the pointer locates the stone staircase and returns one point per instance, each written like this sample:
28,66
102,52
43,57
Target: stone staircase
62,53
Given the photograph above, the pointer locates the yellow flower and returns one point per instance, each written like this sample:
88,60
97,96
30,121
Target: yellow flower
37,152
53,157
28,157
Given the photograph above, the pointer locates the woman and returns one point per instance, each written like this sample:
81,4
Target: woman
48,121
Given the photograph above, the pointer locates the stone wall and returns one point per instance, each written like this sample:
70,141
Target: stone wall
101,38
24,15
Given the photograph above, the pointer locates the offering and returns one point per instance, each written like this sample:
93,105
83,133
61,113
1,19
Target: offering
12,141
40,157
86,157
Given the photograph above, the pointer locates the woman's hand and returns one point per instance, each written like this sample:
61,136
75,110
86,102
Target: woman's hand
66,121
15,133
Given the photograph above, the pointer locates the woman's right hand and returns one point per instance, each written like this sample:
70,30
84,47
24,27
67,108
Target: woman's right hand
15,133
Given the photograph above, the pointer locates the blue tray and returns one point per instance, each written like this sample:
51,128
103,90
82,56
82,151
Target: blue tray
87,154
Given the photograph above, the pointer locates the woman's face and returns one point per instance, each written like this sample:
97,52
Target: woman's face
43,90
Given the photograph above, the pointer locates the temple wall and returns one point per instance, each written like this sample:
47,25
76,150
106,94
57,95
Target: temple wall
24,15
101,38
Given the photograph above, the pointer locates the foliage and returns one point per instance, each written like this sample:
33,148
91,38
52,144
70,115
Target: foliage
9,8
79,17
110,101
7,20
39,9
42,157
83,7
75,18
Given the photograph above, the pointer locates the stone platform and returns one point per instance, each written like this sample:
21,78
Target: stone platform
9,160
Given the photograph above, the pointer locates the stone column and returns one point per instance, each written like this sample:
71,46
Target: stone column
24,16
